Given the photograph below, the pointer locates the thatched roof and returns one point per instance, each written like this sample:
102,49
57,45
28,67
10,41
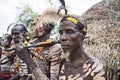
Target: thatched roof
103,21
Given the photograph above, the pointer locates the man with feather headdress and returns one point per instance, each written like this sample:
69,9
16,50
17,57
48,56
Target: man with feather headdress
47,57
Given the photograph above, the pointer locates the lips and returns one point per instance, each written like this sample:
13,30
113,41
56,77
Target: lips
65,46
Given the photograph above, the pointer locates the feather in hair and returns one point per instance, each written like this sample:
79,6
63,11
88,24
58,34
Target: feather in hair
49,16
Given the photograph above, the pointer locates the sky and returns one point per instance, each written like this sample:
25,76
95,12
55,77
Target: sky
8,11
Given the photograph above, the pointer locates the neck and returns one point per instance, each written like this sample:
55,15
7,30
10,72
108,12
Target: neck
44,37
78,55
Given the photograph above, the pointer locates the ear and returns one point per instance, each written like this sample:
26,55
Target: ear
82,35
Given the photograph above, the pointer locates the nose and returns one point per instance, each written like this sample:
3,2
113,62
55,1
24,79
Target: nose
63,37
14,37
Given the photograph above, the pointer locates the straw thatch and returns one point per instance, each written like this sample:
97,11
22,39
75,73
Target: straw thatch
103,21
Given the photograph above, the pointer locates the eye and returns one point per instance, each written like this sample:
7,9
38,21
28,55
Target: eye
60,32
69,31
16,33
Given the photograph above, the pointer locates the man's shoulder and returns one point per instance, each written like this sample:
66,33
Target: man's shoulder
96,64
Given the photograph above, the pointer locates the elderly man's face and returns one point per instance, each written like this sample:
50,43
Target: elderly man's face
70,37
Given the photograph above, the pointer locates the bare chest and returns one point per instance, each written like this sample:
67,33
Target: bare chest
75,72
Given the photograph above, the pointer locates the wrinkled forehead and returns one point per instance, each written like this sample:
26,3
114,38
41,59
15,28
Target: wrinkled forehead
67,23
76,20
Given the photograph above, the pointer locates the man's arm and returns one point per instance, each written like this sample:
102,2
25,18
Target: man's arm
55,52
54,70
23,53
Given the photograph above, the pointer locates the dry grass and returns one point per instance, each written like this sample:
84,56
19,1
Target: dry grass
104,43
103,23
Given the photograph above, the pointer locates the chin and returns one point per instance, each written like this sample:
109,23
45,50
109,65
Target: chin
65,54
66,50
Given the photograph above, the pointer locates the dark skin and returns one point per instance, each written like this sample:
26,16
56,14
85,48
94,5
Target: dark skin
44,31
72,41
43,35
6,41
0,52
78,65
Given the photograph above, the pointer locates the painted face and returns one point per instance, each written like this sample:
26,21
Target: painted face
40,30
18,33
34,31
16,36
70,36
37,30
6,40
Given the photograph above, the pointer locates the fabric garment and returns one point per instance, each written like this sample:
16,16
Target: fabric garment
89,70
